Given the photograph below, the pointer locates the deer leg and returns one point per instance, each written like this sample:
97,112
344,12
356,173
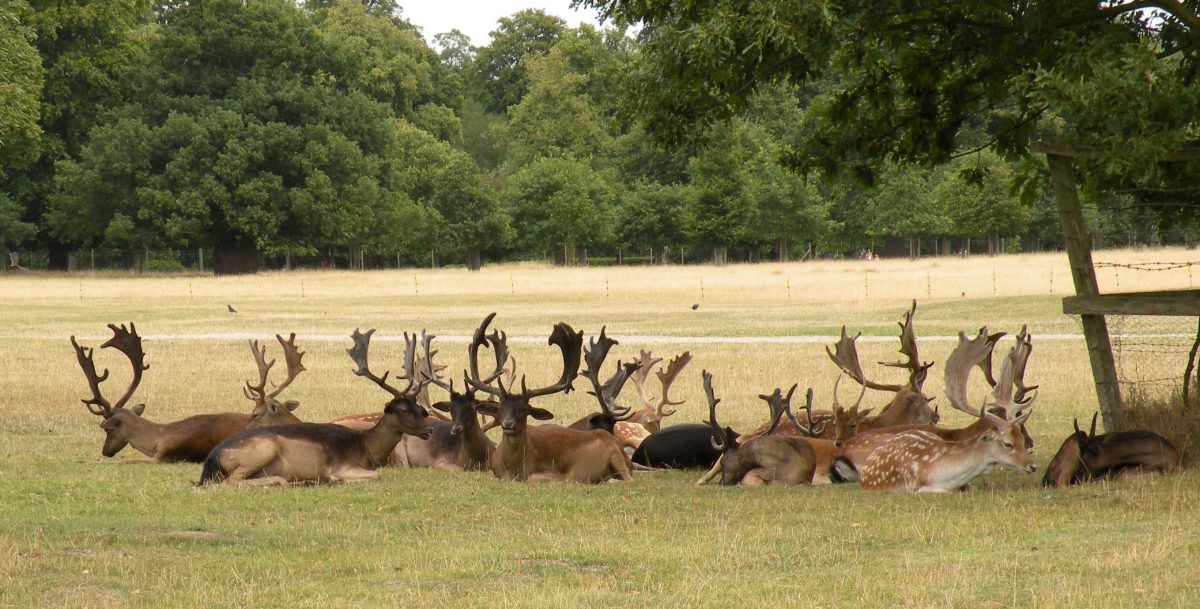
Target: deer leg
264,481
619,464
355,474
712,473
754,477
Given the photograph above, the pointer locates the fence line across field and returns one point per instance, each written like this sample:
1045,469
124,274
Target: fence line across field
631,339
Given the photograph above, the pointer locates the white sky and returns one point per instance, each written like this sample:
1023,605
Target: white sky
476,18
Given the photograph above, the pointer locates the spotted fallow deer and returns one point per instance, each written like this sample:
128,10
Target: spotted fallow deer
547,452
1086,457
188,439
268,410
764,459
648,420
325,452
856,447
923,461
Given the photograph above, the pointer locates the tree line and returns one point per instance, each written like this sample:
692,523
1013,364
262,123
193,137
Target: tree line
270,130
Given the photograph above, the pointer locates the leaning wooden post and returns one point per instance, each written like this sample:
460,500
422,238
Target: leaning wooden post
1079,255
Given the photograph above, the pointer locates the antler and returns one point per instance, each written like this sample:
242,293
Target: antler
968,354
427,369
291,355
646,361
665,378
845,355
838,404
1010,372
570,343
778,405
720,439
126,341
606,393
499,345
358,353
908,348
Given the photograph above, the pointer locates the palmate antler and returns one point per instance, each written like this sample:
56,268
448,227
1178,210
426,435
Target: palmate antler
666,378
969,353
606,393
569,342
781,405
126,341
845,355
358,354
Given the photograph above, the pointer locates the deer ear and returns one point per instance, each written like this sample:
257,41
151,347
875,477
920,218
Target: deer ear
540,414
488,408
291,405
442,406
864,413
139,409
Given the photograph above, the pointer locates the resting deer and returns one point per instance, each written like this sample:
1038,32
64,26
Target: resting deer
648,420
367,420
456,445
923,461
188,439
1085,457
856,447
268,410
823,450
547,452
325,452
764,459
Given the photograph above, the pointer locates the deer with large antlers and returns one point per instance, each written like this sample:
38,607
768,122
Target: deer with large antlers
641,424
923,461
188,439
1086,457
764,459
547,452
606,393
325,452
268,410
457,444
823,450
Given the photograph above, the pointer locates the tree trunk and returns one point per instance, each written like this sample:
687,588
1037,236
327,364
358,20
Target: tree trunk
474,260
783,250
59,254
720,255
236,259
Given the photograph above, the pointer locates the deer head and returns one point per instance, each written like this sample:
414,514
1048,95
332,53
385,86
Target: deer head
845,421
267,409
651,417
116,418
461,406
1010,404
514,409
404,410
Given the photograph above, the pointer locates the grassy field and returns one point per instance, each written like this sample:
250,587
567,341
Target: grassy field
76,532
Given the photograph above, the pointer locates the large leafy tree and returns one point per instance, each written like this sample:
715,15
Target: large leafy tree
561,205
20,87
500,67
909,81
254,131
85,48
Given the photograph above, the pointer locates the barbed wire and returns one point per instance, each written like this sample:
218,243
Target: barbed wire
1146,266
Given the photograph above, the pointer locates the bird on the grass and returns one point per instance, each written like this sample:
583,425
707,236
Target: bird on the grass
231,309
695,306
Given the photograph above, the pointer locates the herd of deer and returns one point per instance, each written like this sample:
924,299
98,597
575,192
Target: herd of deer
902,447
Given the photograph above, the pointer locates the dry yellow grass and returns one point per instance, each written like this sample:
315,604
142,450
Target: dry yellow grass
111,535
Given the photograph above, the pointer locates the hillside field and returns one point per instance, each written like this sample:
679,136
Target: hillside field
77,530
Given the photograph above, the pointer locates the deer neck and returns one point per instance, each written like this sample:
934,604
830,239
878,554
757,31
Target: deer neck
143,435
475,443
513,452
381,439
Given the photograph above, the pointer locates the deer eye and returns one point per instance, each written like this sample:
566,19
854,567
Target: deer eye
1008,445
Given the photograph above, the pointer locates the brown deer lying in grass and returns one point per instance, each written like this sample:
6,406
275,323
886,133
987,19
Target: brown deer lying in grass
1086,457
921,460
764,459
324,452
456,445
188,439
649,419
546,452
